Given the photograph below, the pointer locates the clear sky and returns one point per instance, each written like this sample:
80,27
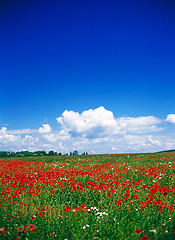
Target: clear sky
100,75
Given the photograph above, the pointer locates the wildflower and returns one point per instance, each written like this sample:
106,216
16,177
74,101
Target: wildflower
160,209
101,214
67,209
119,202
108,195
144,237
82,206
43,210
94,208
32,227
138,230
2,230
85,226
53,234
153,230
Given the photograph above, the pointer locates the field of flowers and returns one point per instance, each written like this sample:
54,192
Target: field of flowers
88,197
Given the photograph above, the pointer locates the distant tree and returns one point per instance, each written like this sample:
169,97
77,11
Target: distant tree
51,153
70,153
40,153
59,154
84,153
75,153
3,154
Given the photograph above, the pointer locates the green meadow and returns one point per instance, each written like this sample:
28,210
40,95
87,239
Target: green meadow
127,196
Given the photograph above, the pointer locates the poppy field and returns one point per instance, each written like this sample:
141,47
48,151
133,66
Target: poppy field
129,196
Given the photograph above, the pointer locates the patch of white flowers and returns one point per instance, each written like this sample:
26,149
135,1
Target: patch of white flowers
94,208
101,214
153,230
85,226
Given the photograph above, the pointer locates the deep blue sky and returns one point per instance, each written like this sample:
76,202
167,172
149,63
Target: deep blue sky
77,55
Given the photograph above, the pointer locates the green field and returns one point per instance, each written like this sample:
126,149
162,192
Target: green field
127,196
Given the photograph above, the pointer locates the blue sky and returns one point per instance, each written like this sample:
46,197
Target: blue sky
114,57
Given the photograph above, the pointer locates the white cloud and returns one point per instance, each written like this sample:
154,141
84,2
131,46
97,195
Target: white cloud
100,122
114,148
28,140
89,124
170,118
51,137
3,131
45,129
55,136
5,138
139,124
62,147
22,131
94,130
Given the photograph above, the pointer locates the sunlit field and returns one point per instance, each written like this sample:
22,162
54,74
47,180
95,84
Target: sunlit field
88,197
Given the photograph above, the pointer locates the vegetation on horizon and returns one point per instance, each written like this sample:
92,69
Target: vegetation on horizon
5,154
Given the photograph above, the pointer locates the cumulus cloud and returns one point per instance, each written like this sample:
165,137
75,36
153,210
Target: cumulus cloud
89,124
101,122
55,136
93,130
170,118
51,137
5,138
45,129
139,124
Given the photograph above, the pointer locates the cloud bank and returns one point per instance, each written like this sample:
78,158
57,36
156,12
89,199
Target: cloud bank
93,130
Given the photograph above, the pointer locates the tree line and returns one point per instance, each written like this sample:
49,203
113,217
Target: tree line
4,154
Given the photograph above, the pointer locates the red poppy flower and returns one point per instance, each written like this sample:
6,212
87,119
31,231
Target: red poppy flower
82,206
138,230
53,234
144,237
67,209
31,227
108,195
2,230
160,209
